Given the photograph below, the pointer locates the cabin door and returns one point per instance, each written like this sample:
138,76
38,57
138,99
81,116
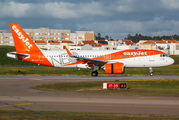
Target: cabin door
151,56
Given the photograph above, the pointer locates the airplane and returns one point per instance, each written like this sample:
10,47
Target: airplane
111,61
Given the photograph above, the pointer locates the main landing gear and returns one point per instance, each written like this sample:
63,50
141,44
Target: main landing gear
151,71
94,73
95,68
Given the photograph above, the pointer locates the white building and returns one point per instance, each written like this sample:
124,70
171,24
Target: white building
79,36
161,45
123,47
6,39
174,48
75,47
46,34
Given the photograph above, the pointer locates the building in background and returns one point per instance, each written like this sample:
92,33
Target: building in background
46,38
6,39
41,44
53,44
150,45
46,34
174,48
67,43
79,36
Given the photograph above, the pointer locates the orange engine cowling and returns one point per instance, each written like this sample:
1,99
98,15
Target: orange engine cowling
114,68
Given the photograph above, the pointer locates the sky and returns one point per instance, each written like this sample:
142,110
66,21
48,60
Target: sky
115,18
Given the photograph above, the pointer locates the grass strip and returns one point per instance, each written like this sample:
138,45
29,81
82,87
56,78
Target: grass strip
36,112
51,71
15,114
157,87
95,116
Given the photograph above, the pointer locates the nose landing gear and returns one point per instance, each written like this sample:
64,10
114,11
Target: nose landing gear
151,71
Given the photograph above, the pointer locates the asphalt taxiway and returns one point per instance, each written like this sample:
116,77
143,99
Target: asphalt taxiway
17,90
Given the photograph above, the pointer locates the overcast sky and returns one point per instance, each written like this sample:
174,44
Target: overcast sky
115,18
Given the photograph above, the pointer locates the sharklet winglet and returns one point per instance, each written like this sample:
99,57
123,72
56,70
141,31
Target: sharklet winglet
69,53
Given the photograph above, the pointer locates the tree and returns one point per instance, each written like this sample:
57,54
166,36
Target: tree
111,38
98,36
106,37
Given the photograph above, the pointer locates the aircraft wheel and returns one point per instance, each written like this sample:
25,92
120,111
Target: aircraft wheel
151,74
94,73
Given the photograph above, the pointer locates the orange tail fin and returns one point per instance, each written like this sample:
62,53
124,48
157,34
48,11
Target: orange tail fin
22,41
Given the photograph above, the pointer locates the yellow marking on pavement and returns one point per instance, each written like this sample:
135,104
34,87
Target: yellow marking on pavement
147,97
35,79
16,104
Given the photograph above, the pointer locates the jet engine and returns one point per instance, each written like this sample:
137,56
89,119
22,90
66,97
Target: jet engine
114,68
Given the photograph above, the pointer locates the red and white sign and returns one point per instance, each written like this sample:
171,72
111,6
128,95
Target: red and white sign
114,85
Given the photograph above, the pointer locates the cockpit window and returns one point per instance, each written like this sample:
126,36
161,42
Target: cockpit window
163,55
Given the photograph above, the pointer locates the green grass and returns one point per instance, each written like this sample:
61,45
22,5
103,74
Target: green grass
158,87
22,115
51,71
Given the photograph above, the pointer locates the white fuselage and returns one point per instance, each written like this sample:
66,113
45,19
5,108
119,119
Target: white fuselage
60,58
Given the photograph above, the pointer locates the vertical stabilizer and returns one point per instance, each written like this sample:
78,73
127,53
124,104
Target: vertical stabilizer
26,49
22,41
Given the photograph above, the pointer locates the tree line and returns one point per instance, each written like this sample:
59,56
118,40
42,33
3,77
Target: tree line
138,37
99,37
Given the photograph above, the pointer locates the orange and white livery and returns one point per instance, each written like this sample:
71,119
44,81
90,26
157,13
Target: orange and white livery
111,61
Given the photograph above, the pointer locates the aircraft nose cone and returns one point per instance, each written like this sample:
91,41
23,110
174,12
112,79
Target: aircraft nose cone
171,61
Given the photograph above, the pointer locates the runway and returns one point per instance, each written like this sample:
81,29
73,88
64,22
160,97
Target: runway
17,90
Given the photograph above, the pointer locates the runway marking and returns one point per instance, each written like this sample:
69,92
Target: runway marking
147,97
16,104
35,79
152,106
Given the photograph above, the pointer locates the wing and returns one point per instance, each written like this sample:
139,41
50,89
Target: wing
89,61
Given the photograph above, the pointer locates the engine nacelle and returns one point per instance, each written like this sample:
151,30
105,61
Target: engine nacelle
114,68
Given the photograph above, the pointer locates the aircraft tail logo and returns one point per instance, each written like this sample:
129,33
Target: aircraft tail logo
22,41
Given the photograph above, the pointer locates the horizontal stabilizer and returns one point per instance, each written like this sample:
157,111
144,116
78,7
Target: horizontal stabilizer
15,55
